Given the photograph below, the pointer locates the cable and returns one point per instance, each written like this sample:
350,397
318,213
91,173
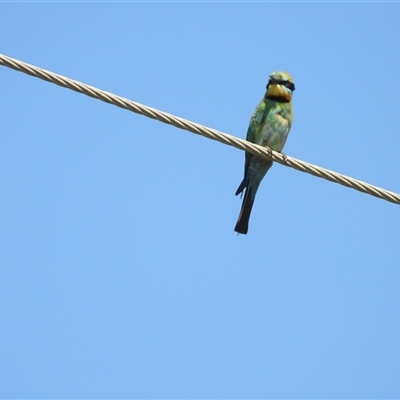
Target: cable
199,129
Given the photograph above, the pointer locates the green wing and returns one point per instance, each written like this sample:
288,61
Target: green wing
254,132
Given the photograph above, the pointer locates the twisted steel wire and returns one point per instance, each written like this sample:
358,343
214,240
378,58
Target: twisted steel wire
199,129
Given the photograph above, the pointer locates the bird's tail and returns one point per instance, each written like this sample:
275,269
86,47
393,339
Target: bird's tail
242,224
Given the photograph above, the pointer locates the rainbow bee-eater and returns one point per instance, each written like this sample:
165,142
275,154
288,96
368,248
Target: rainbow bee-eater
269,126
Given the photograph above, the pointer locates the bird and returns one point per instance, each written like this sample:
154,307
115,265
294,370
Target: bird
269,126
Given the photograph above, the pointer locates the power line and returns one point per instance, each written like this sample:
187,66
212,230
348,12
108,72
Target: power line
199,129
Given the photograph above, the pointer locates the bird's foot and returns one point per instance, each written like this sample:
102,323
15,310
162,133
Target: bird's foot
269,151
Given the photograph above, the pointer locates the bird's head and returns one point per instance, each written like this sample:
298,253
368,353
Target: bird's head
280,87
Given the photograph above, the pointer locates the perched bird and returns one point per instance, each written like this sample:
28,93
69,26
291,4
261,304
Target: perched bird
269,126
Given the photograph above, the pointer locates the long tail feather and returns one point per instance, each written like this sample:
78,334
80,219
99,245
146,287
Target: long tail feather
242,224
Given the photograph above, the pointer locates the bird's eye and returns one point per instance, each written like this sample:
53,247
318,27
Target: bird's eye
289,85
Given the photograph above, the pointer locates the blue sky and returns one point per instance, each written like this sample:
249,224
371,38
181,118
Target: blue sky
121,275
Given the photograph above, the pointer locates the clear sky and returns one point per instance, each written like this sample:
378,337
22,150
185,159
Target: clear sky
121,275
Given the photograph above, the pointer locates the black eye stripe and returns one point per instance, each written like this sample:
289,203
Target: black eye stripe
289,85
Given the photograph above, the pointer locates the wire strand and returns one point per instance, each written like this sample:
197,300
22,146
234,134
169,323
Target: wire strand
193,127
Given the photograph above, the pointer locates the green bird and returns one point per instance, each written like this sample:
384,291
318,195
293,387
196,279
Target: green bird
269,126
